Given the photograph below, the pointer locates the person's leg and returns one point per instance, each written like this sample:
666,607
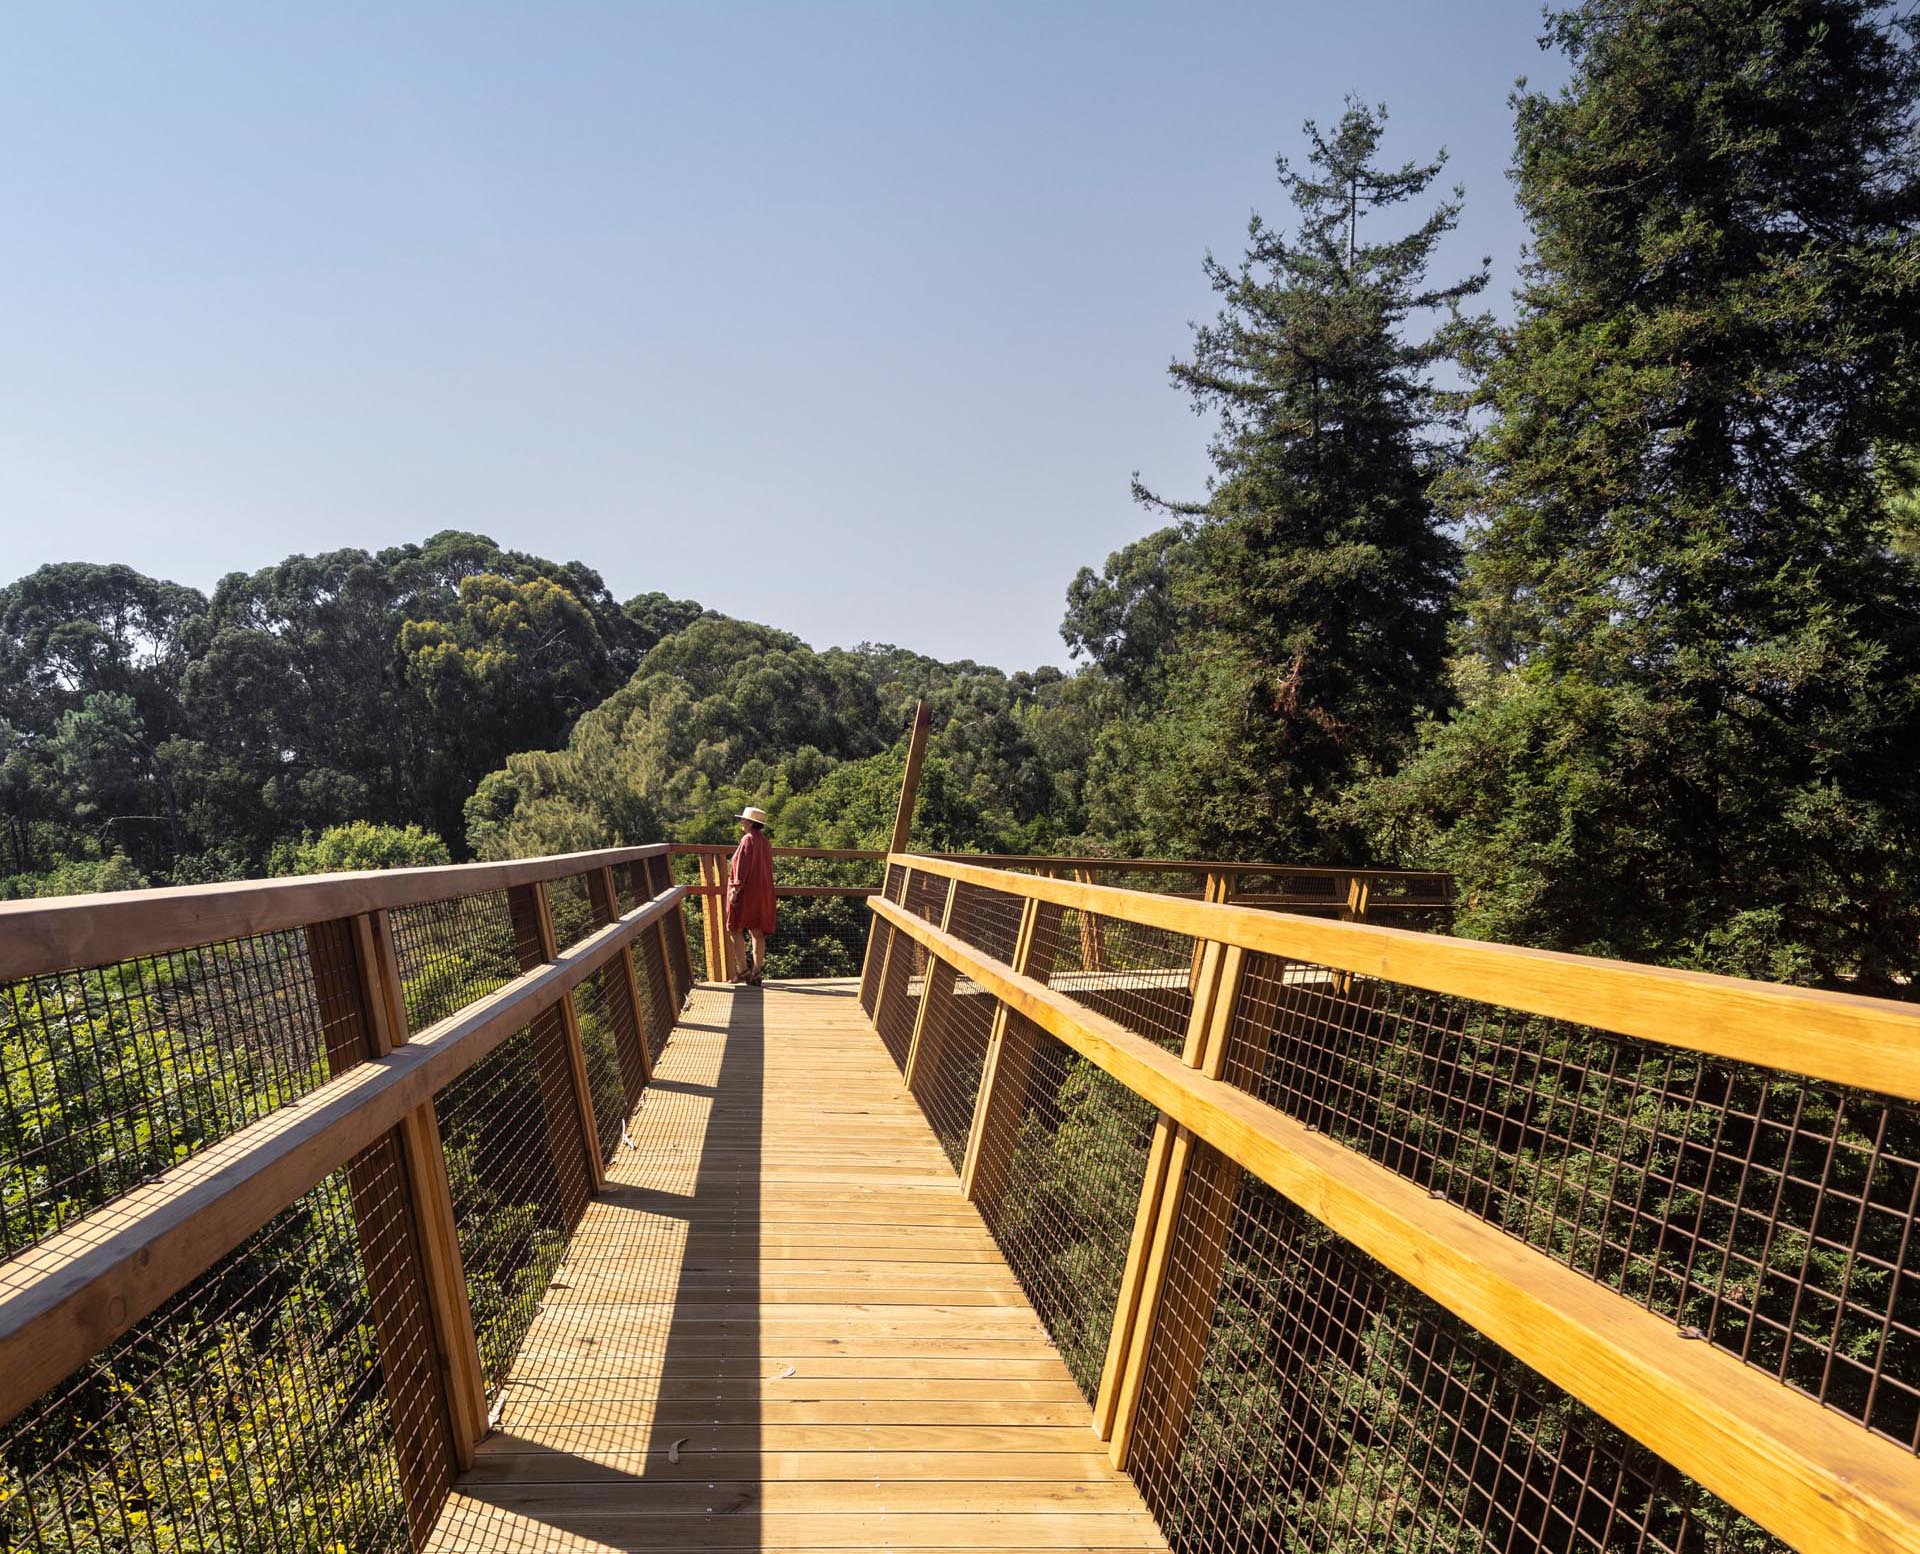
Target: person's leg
759,953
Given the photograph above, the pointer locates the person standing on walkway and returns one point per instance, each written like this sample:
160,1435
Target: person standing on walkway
750,893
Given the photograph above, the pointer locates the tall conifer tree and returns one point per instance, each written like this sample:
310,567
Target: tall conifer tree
1698,733
1313,601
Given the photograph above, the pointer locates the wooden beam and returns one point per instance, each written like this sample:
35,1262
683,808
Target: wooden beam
636,1068
566,1096
72,1294
65,932
929,1021
1869,1043
1217,992
1808,1475
1003,1088
910,779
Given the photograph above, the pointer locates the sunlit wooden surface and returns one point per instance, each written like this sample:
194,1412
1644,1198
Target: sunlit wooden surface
781,1327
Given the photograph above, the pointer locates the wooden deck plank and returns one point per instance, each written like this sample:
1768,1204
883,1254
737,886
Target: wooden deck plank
782,1328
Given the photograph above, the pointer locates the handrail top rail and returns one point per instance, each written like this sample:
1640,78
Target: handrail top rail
65,933
1846,1038
1083,861
1782,1457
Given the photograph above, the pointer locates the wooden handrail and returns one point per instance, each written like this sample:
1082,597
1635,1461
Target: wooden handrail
1869,1043
63,933
67,1297
1808,1475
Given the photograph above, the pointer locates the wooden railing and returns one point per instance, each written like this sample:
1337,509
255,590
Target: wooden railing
1417,896
1423,1235
283,1164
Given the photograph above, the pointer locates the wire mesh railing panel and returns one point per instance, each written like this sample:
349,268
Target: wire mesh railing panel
818,936
571,906
658,874
1063,1154
1159,882
895,882
452,952
284,1400
946,1074
989,920
1140,976
656,992
900,991
926,897
1298,1396
1772,1215
600,1009
111,1075
696,908
630,886
517,1172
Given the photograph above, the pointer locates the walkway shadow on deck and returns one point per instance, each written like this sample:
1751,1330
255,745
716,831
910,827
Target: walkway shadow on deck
700,1400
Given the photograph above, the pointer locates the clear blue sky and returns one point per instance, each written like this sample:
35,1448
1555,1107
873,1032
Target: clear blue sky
853,319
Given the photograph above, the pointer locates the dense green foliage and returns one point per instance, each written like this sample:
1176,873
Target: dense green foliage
190,735
1695,691
1292,630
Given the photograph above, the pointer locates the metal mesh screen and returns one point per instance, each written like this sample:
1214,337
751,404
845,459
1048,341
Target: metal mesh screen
1139,976
630,887
109,1076
287,1399
1062,1158
661,1010
518,1175
946,1074
1775,1216
899,997
601,1010
927,896
896,879
571,906
452,952
1297,1396
818,936
989,920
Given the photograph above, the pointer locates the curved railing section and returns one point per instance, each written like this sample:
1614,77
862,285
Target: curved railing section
285,1168
1355,1237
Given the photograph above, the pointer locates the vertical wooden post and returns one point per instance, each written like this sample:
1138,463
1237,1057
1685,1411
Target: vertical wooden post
410,1250
564,1096
1093,938
1003,1086
929,1023
635,1068
896,943
1214,890
676,956
910,779
1169,1165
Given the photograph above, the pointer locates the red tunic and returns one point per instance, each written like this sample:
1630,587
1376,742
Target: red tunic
750,885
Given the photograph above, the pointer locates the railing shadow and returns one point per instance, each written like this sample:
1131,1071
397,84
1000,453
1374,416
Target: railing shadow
633,1419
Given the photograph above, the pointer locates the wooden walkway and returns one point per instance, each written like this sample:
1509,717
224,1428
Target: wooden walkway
781,1327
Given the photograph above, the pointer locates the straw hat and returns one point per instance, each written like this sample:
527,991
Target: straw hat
754,813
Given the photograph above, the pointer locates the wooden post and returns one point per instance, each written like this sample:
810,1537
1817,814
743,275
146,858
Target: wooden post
930,1020
896,944
1143,1281
1216,889
417,1286
1003,1087
635,1068
1093,939
910,779
564,1096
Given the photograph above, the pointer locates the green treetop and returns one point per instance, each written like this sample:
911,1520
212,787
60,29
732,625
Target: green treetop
1698,710
1302,632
